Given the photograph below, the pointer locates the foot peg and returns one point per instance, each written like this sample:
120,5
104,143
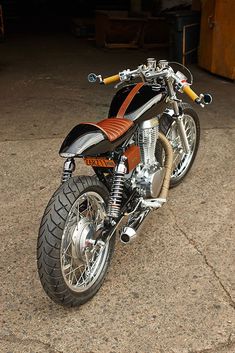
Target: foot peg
153,203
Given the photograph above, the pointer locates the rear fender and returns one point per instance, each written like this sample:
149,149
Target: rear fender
79,139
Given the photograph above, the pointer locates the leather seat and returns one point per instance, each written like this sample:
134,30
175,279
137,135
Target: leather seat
113,128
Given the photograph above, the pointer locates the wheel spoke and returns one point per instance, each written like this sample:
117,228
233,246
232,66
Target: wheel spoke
82,264
74,269
65,251
182,160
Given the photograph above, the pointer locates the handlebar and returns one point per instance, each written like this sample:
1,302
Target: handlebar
190,93
183,86
111,79
202,99
150,73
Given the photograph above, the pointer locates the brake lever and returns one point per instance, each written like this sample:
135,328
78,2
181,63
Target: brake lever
118,84
123,81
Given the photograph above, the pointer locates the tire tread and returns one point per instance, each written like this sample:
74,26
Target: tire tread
50,235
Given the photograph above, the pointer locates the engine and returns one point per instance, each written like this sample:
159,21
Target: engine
148,176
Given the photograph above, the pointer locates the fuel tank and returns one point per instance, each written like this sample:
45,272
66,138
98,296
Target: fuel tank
149,101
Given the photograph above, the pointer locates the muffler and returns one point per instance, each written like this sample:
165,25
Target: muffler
127,235
133,226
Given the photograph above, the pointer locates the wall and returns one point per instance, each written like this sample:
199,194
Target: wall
172,3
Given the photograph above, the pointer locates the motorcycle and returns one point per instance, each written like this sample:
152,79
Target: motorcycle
147,144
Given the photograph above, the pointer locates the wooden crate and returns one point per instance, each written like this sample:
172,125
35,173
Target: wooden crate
114,29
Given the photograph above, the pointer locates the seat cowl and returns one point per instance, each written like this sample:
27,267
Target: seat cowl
113,128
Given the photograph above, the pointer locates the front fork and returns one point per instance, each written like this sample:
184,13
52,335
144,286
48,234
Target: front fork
182,132
178,116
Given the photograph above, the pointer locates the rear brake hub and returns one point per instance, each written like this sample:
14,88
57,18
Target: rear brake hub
82,237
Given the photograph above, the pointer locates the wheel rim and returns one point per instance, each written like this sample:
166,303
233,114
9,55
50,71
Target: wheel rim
83,258
181,160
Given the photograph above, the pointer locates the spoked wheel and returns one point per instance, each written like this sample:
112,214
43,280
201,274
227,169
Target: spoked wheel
72,261
182,161
82,259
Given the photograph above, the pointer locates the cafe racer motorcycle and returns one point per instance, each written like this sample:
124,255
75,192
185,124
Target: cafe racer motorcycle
147,144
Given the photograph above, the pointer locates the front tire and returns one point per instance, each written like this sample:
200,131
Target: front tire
182,161
71,264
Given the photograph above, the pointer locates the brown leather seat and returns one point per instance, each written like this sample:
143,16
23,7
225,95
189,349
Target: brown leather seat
113,128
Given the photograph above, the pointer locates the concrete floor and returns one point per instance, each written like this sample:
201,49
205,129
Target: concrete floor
173,289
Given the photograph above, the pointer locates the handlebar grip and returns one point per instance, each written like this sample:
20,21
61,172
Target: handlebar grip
190,93
111,79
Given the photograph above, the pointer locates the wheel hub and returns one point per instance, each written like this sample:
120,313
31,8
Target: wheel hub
83,257
82,237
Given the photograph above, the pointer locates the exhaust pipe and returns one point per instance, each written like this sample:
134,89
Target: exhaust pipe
128,234
168,165
130,231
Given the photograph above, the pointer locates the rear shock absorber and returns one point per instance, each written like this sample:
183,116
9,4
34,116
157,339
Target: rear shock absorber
69,167
115,199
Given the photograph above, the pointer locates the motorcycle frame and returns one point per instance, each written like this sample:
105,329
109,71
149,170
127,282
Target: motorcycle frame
176,113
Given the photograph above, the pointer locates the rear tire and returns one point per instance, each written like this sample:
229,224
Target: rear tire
183,162
72,219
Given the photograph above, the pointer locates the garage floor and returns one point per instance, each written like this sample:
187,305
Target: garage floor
173,289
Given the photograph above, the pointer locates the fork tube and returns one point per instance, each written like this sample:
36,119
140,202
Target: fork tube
182,132
173,97
178,117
